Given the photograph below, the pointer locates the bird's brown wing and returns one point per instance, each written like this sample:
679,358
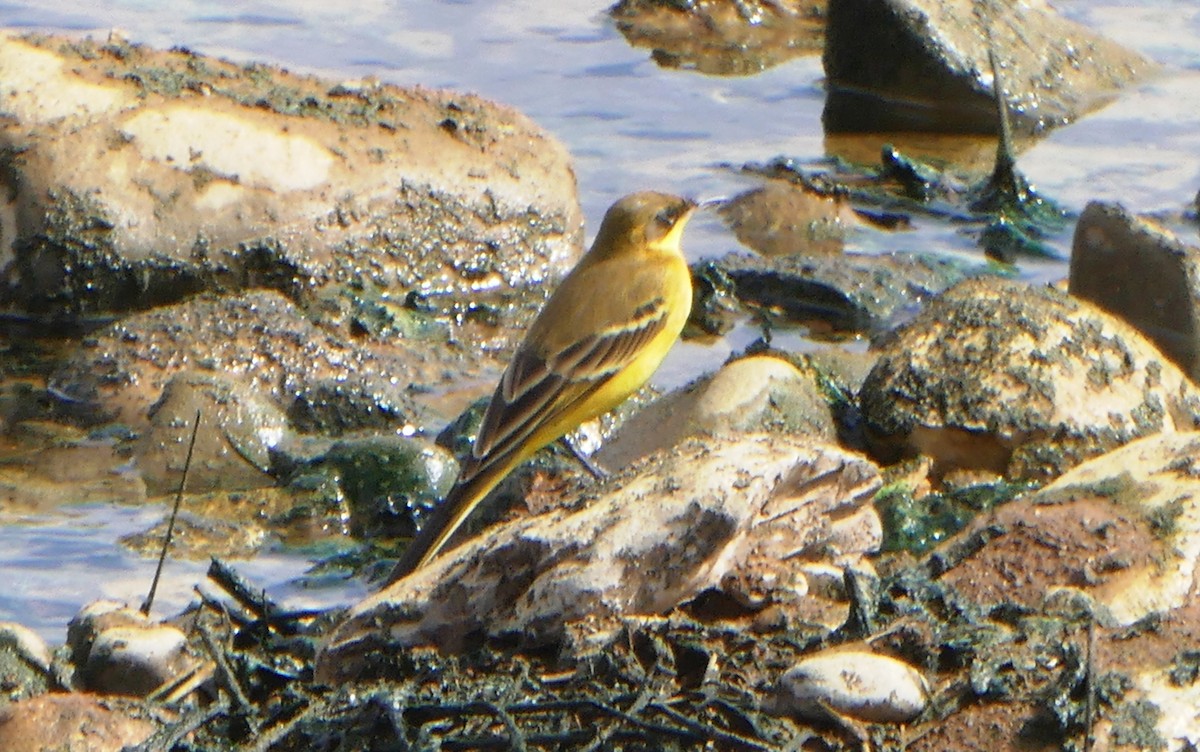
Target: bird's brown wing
536,390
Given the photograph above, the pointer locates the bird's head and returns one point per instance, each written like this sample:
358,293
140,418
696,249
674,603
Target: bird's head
641,222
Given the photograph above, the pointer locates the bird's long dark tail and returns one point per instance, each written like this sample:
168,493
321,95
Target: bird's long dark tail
448,516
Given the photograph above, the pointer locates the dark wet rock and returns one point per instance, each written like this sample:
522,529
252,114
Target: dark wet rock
74,723
741,516
389,482
782,218
722,37
138,177
321,381
1023,380
852,292
922,65
25,663
750,395
1142,274
238,428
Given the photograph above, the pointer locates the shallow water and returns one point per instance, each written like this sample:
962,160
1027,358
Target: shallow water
630,125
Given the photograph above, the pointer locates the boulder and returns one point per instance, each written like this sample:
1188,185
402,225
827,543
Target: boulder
1143,274
923,65
1022,380
136,177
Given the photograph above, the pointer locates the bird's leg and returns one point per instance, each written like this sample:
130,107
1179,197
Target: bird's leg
595,470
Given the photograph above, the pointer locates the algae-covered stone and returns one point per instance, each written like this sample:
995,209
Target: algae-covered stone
1142,274
855,292
922,65
739,510
390,482
320,380
755,394
176,173
1018,379
25,663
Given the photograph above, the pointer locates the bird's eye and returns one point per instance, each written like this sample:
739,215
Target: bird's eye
666,218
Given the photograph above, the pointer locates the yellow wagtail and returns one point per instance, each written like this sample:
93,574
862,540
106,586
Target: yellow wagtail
598,339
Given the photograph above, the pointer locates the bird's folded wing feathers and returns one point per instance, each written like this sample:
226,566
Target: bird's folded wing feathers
536,390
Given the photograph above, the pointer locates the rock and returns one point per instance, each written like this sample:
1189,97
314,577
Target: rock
117,650
1001,376
259,339
73,723
1142,274
851,292
722,37
745,511
238,429
177,173
389,482
1125,527
783,218
133,660
854,683
26,666
754,394
922,65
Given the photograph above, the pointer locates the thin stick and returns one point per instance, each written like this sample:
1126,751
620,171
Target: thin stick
162,557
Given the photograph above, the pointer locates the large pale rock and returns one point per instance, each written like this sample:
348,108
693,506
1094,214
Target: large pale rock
741,514
1010,378
759,393
922,65
1142,274
136,177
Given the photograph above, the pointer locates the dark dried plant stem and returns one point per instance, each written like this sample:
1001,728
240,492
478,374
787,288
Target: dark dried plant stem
162,556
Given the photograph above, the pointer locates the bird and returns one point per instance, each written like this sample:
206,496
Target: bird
600,336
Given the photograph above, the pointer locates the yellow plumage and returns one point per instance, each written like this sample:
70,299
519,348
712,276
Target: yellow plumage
598,339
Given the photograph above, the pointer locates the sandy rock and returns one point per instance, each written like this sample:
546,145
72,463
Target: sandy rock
1125,528
651,538
851,292
1142,274
72,723
922,65
239,428
758,393
854,683
174,173
320,380
782,218
722,37
1001,376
